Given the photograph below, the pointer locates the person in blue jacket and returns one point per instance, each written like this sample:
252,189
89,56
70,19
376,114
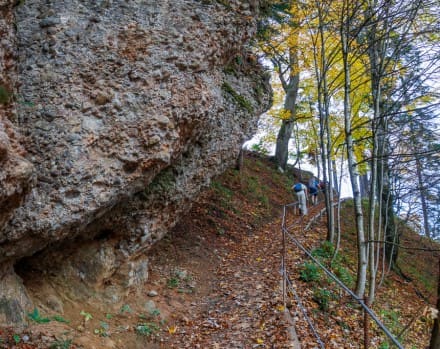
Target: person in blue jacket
313,189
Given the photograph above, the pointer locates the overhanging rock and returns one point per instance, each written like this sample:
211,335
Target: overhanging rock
125,110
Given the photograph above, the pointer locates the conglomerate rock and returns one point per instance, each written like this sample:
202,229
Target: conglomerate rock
119,112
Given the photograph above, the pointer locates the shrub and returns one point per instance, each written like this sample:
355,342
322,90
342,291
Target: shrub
147,328
259,148
309,272
173,282
323,297
125,309
36,317
326,250
344,275
221,190
61,344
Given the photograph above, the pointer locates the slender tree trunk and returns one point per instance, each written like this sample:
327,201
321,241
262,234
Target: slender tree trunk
435,335
335,176
338,217
422,190
298,149
375,52
318,165
330,192
324,125
323,146
325,171
331,212
391,235
316,151
361,243
364,185
352,168
371,251
372,203
386,197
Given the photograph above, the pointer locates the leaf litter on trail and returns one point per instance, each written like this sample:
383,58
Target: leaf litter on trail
244,281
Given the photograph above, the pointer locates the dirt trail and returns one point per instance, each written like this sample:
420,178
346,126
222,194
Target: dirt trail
243,308
241,305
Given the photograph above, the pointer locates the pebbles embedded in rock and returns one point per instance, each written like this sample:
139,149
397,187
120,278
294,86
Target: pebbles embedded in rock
49,22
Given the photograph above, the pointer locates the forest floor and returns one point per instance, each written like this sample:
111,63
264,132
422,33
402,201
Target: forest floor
215,282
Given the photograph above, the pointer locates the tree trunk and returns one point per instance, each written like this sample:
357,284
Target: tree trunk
422,190
318,165
321,71
435,335
364,185
282,146
335,176
291,89
239,160
352,167
372,191
392,237
330,210
372,199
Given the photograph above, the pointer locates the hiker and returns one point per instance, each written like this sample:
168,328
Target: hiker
321,186
313,189
301,194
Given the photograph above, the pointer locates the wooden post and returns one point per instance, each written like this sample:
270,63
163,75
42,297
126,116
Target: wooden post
366,326
283,258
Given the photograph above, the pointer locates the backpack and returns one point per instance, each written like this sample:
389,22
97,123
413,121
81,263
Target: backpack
297,187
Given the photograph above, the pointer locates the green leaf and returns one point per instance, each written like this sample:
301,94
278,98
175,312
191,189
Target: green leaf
59,318
87,316
35,316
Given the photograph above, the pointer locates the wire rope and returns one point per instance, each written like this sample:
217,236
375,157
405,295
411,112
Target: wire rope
346,289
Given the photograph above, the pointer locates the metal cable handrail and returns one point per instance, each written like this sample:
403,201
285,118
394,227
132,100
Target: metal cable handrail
345,288
304,311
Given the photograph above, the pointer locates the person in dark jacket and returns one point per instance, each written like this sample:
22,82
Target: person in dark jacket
313,190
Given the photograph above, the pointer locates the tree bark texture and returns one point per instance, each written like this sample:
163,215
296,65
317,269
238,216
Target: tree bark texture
435,336
352,167
290,87
422,189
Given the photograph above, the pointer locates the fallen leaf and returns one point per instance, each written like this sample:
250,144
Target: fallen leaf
280,308
172,329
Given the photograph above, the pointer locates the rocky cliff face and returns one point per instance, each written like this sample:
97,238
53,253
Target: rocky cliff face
115,114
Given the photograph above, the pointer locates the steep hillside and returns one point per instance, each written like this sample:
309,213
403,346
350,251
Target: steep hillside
214,282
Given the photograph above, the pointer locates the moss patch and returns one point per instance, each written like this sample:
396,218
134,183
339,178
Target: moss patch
239,99
5,95
162,182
